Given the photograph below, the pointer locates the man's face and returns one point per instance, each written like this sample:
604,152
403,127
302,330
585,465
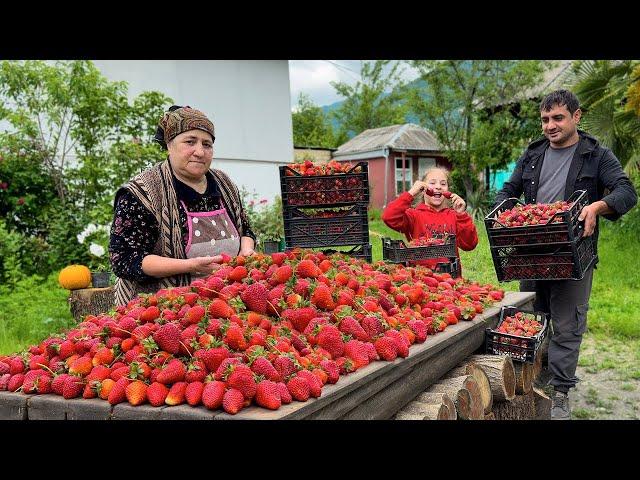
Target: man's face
558,125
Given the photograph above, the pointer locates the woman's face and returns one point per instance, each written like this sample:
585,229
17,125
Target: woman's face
191,153
437,181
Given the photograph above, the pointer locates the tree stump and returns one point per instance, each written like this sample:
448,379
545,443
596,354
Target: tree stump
471,368
439,399
423,411
490,416
501,375
522,407
524,377
91,301
542,403
466,395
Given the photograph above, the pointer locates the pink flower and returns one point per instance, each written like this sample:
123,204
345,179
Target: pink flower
20,201
252,203
4,186
264,200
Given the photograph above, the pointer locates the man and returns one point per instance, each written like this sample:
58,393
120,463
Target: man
551,169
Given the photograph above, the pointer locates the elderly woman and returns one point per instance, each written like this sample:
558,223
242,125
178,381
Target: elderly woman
173,221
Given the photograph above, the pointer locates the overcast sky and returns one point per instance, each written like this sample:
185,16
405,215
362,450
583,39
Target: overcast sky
312,77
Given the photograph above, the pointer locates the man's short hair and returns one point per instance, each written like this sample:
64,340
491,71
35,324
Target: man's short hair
560,97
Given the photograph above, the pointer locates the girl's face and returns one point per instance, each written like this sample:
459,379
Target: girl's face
437,181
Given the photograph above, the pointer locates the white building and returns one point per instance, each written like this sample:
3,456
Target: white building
248,102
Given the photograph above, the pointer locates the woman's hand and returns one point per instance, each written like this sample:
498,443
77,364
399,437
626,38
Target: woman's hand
247,252
458,203
417,187
204,265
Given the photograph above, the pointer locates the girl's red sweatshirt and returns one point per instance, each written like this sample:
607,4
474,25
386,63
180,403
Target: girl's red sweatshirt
425,221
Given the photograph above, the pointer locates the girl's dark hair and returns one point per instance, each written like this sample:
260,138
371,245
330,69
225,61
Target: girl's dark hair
560,97
159,135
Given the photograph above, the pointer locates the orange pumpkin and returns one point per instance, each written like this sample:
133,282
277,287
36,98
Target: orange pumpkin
74,277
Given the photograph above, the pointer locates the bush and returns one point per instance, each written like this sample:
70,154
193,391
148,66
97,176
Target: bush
265,218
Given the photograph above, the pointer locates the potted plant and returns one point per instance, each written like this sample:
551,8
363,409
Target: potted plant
267,223
99,265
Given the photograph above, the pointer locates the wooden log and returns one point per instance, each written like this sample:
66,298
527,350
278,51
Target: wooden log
91,301
490,416
541,356
471,410
471,368
426,411
524,377
542,404
439,398
522,407
501,375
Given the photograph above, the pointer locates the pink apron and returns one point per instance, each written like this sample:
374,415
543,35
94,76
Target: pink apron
211,233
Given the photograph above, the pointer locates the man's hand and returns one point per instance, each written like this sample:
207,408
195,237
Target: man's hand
590,213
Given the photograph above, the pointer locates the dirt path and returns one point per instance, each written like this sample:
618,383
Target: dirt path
609,372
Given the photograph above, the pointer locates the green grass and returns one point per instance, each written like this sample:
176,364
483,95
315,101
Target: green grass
582,414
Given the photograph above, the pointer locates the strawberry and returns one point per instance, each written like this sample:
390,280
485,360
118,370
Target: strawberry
99,372
173,372
176,393
37,361
315,385
168,338
322,298
66,349
4,381
402,344
332,370
196,371
356,351
299,388
419,328
212,357
195,314
386,348
235,337
285,396
282,274
237,274
262,366
213,394
241,378
136,393
233,401
15,382
72,387
157,393
351,326
149,314
4,368
82,366
103,356
284,366
255,297
58,383
372,326
118,392
193,393
30,383
300,317
307,269
330,339
268,395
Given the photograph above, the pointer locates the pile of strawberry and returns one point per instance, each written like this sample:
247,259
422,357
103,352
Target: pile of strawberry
533,214
264,330
427,241
324,184
522,325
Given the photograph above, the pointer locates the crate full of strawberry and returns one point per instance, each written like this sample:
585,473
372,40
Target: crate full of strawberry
424,248
519,334
515,223
331,184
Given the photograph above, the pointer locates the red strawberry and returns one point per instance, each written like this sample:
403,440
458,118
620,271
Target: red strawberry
99,372
284,366
262,366
285,395
213,394
4,382
315,384
268,395
278,258
235,337
173,372
58,383
37,361
351,326
307,269
372,325
299,388
82,366
233,401
118,393
332,370
212,357
72,387
67,348
386,348
196,371
168,338
43,384
300,317
330,339
103,356
29,385
402,343
282,274
157,394
255,298
419,328
15,382
241,378
371,351
4,368
136,392
193,393
195,314
176,393
356,351
322,298
237,274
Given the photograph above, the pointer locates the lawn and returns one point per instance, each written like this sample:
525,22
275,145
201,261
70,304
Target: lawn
35,308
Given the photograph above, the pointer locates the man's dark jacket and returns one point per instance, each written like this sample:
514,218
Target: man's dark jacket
594,168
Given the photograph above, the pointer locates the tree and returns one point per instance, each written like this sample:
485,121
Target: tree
311,126
609,94
477,110
373,102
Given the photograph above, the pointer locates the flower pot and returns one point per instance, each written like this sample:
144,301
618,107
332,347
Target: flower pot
281,246
270,246
100,279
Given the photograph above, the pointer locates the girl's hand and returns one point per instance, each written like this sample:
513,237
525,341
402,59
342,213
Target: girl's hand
417,188
458,203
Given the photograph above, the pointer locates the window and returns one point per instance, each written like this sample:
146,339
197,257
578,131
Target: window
403,176
424,164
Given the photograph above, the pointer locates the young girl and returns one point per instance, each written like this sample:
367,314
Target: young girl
434,216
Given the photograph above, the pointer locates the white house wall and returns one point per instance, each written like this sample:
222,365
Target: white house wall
248,102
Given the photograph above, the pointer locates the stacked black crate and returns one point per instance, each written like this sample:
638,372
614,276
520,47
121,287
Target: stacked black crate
556,250
327,211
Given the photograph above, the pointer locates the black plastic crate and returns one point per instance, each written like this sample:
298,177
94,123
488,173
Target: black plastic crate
348,227
357,251
452,267
325,190
566,261
519,348
562,227
397,251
